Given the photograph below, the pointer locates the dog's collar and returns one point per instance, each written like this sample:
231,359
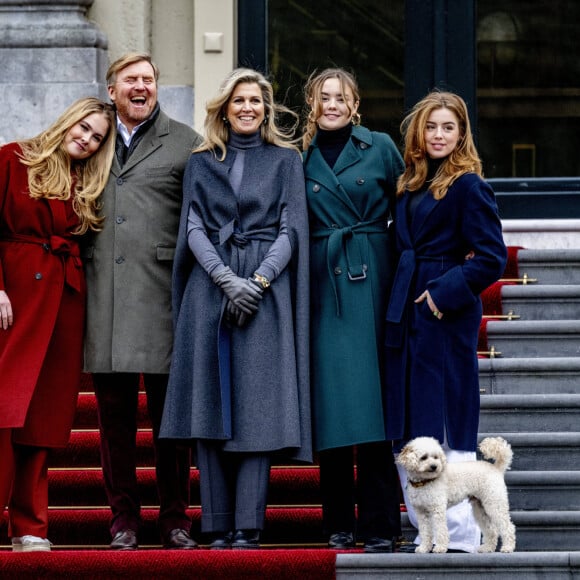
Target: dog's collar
419,483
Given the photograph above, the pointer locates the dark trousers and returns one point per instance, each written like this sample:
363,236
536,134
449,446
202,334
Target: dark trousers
117,401
233,487
375,491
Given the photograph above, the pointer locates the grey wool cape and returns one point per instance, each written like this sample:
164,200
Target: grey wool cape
265,407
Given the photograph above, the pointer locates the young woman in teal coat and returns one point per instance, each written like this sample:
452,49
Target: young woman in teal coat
450,247
351,175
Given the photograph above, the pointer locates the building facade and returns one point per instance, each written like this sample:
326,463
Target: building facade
516,63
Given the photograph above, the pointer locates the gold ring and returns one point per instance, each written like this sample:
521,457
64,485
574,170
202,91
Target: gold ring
436,313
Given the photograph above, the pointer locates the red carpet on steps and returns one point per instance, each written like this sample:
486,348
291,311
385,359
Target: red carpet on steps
171,565
491,296
79,515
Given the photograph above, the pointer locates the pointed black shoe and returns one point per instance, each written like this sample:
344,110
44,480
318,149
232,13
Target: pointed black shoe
377,545
221,541
246,540
179,539
341,541
125,540
406,547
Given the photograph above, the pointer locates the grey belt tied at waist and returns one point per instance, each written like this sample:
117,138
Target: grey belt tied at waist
339,237
239,240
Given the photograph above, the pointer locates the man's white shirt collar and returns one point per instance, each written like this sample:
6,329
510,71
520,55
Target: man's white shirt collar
124,132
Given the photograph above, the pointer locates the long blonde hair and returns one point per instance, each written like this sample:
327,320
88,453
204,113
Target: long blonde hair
313,99
53,175
217,131
463,159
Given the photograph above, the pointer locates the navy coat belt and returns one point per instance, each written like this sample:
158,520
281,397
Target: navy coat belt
400,291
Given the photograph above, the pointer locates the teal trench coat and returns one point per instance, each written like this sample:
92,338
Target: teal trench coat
349,207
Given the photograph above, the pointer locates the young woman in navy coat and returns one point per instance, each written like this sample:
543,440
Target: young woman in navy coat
451,248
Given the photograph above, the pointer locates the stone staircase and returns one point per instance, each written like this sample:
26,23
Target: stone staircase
530,395
541,419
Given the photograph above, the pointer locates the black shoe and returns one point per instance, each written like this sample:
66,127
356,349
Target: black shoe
179,539
125,540
221,541
406,547
375,545
341,541
246,539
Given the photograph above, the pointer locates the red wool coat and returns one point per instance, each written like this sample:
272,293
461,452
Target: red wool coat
41,272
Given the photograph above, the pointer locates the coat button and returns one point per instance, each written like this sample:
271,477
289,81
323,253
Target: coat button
360,180
45,247
119,260
338,270
363,145
119,181
38,276
120,219
316,188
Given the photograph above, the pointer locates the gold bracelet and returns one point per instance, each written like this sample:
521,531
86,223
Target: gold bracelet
262,280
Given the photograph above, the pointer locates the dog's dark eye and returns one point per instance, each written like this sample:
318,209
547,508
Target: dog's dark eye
424,457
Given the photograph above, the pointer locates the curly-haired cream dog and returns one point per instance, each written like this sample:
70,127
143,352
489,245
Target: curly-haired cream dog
434,485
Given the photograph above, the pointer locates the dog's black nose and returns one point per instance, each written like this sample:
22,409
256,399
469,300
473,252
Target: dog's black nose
433,467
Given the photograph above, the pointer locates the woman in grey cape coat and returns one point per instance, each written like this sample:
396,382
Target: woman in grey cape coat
239,379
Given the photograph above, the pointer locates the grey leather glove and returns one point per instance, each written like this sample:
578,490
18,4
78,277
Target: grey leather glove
241,292
235,316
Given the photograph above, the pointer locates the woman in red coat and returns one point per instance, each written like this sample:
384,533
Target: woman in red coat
49,186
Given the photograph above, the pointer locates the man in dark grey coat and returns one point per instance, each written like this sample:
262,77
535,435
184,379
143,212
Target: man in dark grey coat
129,322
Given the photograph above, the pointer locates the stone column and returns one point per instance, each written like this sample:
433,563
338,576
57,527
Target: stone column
50,55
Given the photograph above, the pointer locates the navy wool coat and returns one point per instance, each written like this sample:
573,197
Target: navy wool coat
265,407
432,386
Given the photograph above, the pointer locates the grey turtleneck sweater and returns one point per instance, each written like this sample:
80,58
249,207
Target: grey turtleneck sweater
280,252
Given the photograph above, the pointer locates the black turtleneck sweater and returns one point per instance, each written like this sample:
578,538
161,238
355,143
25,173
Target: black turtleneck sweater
331,143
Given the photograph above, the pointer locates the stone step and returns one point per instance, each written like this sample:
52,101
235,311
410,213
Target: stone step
529,413
542,302
536,530
542,451
545,565
560,266
511,376
544,490
534,338
547,530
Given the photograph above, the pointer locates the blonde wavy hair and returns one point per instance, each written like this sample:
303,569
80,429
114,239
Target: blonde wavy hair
53,175
216,129
463,159
313,99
